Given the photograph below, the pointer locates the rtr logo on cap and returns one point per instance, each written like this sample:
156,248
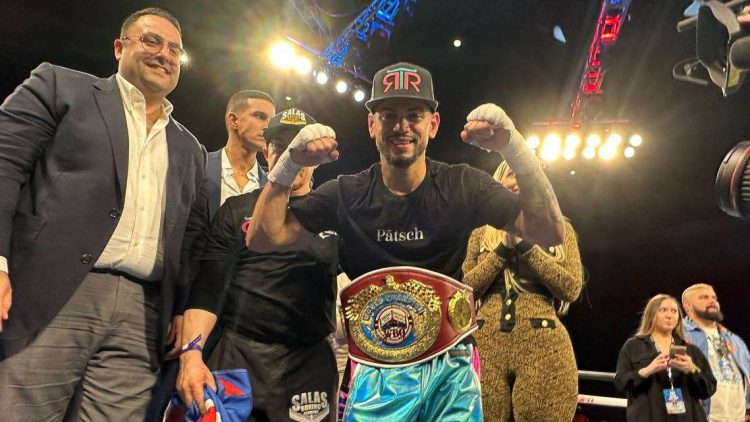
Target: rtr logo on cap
401,78
293,116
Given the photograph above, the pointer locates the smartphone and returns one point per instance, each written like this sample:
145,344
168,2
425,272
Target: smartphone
677,350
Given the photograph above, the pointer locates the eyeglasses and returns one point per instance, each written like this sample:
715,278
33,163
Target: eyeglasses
390,118
153,43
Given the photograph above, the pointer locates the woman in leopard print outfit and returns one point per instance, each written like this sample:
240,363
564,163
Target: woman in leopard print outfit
528,367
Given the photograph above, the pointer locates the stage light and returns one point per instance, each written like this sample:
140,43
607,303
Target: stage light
552,140
457,43
288,98
184,59
551,147
282,55
593,141
635,141
572,141
302,66
341,86
359,95
607,151
533,142
614,139
569,154
321,77
589,153
572,172
629,152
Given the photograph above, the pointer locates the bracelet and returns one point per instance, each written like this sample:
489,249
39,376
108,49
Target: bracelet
193,345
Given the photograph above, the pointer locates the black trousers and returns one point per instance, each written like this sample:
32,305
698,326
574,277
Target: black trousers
288,383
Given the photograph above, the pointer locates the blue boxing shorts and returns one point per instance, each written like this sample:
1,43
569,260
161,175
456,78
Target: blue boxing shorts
445,388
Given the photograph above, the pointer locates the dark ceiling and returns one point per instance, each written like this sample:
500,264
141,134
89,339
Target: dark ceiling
646,225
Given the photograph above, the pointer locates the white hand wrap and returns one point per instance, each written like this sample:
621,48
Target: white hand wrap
286,170
517,154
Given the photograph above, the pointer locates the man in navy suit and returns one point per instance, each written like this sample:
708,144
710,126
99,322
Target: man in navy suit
234,169
230,171
97,181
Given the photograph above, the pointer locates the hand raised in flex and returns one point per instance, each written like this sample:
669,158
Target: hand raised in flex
314,144
489,127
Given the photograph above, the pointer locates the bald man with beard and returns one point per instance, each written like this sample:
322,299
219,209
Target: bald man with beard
726,352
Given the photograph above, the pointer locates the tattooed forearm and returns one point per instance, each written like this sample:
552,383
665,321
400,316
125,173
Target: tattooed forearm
542,218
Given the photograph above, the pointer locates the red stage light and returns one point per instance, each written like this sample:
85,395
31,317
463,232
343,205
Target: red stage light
611,28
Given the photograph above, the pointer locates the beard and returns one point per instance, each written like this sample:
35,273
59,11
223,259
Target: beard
402,161
715,316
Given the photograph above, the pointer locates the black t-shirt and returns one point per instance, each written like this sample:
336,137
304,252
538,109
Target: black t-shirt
428,228
286,296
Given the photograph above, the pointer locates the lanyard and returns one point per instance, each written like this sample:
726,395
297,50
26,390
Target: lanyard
669,369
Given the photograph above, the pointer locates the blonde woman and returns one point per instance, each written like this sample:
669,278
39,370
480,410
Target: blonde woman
664,377
528,367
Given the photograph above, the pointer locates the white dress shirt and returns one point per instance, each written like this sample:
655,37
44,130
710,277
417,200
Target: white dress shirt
229,187
137,245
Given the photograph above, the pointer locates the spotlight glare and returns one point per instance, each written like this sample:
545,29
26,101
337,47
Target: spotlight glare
589,153
572,172
607,152
359,95
184,59
457,43
636,140
302,66
282,55
551,147
533,142
288,98
341,86
572,141
569,154
614,139
593,141
629,152
321,78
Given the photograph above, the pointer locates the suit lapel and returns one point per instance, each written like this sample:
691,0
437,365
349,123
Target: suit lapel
110,106
213,171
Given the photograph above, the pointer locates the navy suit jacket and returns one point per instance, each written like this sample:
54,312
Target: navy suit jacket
63,174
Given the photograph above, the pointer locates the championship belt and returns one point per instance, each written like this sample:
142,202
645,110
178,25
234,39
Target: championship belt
399,316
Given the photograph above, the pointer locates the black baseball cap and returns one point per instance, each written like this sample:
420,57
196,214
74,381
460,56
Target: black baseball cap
402,80
292,120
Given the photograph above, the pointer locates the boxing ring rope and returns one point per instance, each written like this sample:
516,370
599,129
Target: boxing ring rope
600,400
